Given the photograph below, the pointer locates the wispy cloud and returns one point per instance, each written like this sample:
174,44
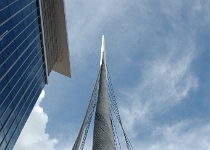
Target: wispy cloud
183,135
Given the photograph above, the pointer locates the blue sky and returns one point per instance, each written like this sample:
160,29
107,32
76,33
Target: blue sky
158,55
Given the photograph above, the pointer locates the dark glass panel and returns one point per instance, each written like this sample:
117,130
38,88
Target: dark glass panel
1,59
36,32
24,2
14,7
5,103
4,15
29,29
35,15
9,63
28,20
19,111
20,39
2,70
30,38
14,68
6,39
9,124
14,92
3,83
11,131
3,4
4,93
26,11
18,97
7,111
6,27
33,5
18,29
21,48
17,18
10,48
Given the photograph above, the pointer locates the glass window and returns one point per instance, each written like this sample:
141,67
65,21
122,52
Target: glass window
33,5
9,123
9,62
13,140
18,29
30,38
18,110
3,4
17,98
3,83
36,32
14,92
28,20
21,48
26,11
24,2
11,131
4,15
17,18
14,7
4,103
5,93
2,70
6,39
9,50
5,27
35,15
19,39
3,144
7,111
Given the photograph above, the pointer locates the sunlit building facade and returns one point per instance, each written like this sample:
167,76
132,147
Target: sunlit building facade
33,41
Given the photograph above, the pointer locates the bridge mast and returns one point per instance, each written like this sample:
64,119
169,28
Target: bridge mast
103,135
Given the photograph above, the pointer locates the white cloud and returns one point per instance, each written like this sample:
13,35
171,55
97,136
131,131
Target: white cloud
33,135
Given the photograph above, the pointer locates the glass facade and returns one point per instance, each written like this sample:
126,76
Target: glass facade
22,66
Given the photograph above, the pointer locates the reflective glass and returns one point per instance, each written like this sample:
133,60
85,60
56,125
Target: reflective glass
19,39
24,2
17,18
18,29
15,66
3,4
2,71
6,39
4,93
4,15
14,7
21,48
6,27
7,111
26,11
3,83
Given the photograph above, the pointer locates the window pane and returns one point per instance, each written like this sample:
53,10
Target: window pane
14,7
4,15
6,39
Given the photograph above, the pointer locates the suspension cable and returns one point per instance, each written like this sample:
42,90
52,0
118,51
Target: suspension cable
116,110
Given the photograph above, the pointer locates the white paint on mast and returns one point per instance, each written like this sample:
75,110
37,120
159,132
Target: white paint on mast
103,51
103,55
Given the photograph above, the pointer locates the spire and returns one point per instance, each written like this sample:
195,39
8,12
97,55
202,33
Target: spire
103,51
103,134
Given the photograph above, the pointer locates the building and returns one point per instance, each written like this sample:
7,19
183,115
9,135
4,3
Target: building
33,41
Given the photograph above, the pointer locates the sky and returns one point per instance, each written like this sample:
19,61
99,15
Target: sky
158,56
